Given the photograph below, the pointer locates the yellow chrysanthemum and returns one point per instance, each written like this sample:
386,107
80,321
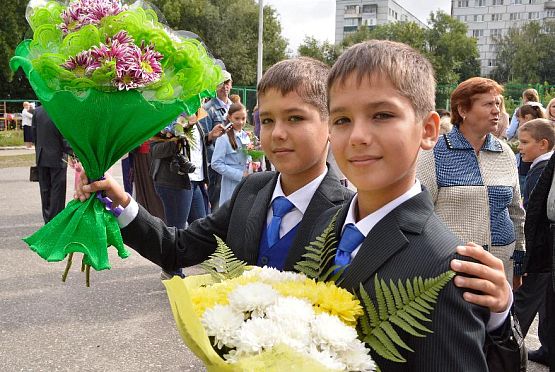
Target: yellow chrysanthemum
216,294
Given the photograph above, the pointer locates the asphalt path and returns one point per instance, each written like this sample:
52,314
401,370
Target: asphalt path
123,322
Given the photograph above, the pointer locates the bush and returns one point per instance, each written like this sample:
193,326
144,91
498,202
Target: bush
11,138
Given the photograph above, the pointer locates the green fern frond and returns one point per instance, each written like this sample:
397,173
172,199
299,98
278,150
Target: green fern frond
320,253
222,264
403,306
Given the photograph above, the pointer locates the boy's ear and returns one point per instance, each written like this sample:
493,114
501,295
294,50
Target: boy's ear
544,143
430,131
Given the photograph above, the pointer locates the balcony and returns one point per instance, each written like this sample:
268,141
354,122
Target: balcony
549,5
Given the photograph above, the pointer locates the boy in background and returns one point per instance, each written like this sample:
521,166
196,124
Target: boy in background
536,140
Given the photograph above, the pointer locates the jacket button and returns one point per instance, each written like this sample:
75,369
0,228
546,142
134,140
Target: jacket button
264,260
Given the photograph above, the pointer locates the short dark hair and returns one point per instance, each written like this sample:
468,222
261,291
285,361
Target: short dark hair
408,70
305,76
463,95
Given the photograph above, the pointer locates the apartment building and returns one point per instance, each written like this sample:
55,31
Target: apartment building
351,14
488,19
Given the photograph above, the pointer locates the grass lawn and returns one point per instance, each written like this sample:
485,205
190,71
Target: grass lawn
11,138
17,160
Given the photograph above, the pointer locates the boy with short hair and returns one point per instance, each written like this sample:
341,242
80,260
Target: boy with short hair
381,100
536,140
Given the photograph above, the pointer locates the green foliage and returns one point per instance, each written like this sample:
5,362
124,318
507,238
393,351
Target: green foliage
229,29
525,53
320,255
453,54
326,52
223,264
405,306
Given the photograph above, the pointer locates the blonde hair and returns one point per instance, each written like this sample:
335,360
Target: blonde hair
548,111
408,70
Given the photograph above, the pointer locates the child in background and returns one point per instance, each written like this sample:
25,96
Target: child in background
536,140
230,156
525,113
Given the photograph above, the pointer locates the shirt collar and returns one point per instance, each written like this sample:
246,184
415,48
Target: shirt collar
302,197
456,140
222,104
543,157
367,223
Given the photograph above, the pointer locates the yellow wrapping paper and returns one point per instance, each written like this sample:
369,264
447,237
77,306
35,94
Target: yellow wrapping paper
192,332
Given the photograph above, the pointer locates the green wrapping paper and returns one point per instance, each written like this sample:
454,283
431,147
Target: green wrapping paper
101,123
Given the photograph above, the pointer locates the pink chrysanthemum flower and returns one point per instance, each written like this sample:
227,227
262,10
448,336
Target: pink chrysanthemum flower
80,13
81,65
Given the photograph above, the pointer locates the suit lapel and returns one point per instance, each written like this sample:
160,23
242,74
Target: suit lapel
256,220
388,238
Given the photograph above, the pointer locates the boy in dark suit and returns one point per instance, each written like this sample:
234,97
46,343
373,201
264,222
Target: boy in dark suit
294,136
381,99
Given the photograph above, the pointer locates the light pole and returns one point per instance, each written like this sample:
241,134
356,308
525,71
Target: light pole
260,44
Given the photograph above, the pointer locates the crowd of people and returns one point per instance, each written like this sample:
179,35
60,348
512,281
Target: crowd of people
425,185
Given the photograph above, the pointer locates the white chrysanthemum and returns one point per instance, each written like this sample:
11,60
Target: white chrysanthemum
222,323
272,275
327,359
291,308
357,357
330,332
253,297
256,335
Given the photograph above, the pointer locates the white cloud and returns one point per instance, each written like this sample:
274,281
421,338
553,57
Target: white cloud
301,18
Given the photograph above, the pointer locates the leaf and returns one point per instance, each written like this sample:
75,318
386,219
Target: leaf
320,253
222,264
403,306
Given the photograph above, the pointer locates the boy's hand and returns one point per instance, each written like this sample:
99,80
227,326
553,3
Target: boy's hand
110,187
517,282
488,278
216,132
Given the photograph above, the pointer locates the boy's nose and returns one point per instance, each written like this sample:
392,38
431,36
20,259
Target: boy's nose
359,134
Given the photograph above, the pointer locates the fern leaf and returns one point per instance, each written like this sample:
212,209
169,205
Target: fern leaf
222,264
402,306
319,255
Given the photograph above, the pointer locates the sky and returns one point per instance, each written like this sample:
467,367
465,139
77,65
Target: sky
300,18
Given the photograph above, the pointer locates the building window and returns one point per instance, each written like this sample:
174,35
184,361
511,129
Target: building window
496,17
369,8
534,15
477,33
514,16
478,18
492,62
480,2
351,21
550,13
497,2
351,9
462,3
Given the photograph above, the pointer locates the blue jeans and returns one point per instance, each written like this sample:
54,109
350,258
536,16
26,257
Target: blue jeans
177,203
199,203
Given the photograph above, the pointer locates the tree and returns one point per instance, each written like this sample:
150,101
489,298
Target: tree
525,54
12,31
453,54
326,52
229,28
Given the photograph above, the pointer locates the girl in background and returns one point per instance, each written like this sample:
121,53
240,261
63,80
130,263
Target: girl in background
230,156
550,110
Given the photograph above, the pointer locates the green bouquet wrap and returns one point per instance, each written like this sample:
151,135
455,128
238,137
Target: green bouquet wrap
101,120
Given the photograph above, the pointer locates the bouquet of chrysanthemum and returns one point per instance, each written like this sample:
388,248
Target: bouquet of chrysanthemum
273,318
240,319
110,75
253,148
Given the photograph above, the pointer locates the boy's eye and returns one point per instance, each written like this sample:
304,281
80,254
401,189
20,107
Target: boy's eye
341,121
265,121
383,116
295,118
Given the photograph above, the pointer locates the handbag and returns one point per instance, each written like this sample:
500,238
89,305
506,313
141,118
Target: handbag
34,174
507,353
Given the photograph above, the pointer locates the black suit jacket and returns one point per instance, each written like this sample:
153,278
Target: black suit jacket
50,146
412,241
239,222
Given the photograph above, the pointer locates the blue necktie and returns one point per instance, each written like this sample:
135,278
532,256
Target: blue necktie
350,239
280,207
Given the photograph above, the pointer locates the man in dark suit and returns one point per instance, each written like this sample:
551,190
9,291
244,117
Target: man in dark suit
51,150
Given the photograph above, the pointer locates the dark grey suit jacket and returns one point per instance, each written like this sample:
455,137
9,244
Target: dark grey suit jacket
239,222
50,146
412,241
